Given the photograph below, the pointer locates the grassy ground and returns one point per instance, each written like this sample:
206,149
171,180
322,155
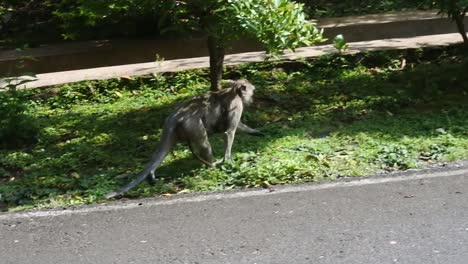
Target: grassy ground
325,118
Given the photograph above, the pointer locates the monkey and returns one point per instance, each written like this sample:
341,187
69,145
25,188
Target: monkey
195,119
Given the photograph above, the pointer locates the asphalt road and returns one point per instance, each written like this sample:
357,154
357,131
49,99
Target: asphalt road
408,218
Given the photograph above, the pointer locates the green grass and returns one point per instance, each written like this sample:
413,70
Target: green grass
326,118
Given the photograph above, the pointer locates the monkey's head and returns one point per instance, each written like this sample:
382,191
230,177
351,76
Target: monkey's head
245,90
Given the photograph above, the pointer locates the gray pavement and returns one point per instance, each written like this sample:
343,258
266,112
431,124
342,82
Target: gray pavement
417,218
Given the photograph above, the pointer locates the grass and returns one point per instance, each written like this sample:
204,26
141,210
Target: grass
331,117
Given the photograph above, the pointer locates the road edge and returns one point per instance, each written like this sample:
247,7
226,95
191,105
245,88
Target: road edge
437,171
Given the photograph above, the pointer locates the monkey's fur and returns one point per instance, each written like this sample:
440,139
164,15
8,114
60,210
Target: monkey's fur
194,120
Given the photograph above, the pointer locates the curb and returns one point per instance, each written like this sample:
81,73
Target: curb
455,169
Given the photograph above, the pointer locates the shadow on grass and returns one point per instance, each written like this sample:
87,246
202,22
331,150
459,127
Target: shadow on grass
381,100
82,156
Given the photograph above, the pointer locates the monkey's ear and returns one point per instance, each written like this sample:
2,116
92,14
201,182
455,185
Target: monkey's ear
242,89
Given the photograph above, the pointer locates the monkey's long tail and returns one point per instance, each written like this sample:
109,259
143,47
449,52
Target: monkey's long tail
156,160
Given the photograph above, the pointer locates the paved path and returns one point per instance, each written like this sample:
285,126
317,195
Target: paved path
67,56
417,218
102,73
59,49
380,18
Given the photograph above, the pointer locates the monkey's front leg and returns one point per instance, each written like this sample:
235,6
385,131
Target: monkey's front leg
228,141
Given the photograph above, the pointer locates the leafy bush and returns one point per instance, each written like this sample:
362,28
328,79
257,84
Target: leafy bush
22,21
279,24
100,19
39,21
395,157
17,126
16,160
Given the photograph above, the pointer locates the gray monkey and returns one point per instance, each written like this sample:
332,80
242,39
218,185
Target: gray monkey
194,120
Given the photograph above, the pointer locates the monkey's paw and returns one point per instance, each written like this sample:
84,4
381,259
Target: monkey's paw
221,161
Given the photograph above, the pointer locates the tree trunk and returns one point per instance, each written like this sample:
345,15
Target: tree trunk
459,19
216,51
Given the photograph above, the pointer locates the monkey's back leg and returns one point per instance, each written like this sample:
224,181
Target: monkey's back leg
197,138
168,140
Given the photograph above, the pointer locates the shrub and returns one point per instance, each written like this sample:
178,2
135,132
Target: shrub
17,127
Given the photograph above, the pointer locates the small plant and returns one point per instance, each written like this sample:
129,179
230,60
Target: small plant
340,43
17,127
435,152
395,157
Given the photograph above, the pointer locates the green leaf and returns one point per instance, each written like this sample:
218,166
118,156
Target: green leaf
339,43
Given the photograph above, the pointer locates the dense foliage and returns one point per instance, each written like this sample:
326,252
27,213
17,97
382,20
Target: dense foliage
39,21
17,127
279,24
115,17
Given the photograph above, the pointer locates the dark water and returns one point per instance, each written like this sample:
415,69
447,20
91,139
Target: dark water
110,53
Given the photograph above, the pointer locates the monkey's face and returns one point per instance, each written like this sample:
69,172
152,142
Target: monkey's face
247,100
246,91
